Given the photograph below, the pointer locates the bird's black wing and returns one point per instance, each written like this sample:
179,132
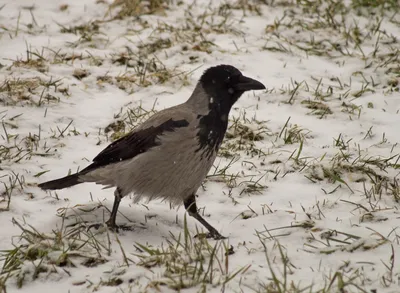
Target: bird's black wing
133,144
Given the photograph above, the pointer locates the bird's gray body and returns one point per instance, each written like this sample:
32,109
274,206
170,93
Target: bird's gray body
172,170
169,155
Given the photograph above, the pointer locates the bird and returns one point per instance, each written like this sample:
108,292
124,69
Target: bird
170,154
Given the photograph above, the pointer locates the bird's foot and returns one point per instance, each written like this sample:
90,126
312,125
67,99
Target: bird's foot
125,227
213,235
111,226
97,226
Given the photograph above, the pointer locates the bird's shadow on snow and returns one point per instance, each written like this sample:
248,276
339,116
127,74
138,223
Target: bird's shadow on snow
133,221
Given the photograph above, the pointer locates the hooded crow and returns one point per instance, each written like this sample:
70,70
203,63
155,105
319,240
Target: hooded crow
169,155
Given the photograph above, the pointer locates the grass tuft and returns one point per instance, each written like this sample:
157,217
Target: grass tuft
36,253
135,8
187,262
30,91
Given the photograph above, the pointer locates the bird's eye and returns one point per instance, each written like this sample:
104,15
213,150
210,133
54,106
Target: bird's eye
228,79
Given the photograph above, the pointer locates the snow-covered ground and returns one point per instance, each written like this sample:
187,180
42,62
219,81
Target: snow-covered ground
305,186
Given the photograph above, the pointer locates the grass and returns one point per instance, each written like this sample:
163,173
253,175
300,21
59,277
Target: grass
126,120
36,253
17,148
34,91
243,134
188,262
291,134
143,72
134,8
185,261
388,5
342,280
14,183
318,108
333,241
349,168
255,155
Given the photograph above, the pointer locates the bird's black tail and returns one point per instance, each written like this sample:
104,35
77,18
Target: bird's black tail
61,183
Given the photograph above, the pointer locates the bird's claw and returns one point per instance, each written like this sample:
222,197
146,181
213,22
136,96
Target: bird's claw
125,227
97,226
111,227
216,236
209,235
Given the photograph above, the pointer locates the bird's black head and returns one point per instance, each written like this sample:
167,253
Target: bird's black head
224,84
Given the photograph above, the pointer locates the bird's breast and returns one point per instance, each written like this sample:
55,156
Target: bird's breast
211,131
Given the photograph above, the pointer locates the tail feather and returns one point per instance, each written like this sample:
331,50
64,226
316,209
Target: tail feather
61,183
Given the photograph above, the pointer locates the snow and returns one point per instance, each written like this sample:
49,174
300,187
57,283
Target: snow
276,197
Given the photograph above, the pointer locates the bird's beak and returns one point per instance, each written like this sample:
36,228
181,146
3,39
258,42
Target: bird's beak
247,84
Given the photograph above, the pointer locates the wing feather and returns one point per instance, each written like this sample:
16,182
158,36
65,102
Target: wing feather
134,143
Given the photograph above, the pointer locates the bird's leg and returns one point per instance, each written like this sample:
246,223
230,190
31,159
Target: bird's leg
111,221
117,199
191,207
